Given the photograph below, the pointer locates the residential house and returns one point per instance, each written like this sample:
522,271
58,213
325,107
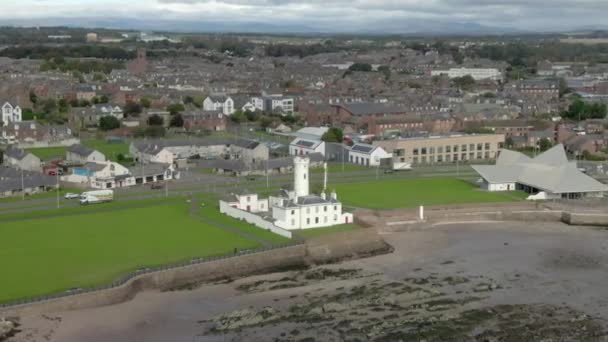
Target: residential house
32,133
367,155
80,154
302,147
85,92
171,150
10,113
578,145
90,116
21,159
15,182
274,103
219,103
214,121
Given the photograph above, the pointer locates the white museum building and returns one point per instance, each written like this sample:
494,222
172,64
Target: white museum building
547,176
290,209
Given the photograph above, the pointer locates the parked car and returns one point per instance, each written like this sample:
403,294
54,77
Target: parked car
157,186
251,178
55,172
70,196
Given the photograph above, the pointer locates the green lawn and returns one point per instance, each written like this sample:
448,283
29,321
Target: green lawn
212,212
406,193
110,150
313,233
48,153
39,257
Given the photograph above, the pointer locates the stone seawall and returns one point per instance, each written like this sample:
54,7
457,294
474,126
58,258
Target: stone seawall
318,251
585,219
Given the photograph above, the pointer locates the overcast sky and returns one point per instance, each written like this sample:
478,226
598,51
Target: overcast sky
540,15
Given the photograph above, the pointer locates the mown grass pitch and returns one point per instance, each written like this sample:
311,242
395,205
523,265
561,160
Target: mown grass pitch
407,193
43,256
110,150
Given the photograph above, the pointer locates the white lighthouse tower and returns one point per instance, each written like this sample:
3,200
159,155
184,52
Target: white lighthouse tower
300,184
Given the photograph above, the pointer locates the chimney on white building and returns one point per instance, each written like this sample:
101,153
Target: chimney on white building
323,195
334,195
300,184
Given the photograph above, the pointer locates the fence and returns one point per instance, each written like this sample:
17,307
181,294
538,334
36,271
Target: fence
133,275
254,219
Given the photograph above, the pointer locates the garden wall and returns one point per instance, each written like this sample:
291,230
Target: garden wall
254,219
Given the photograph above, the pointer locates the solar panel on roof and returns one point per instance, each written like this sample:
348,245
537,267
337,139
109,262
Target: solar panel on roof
361,148
305,143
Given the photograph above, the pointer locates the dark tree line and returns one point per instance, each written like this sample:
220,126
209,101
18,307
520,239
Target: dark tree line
281,50
77,51
581,110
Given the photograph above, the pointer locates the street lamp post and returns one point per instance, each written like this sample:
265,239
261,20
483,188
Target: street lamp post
22,186
57,188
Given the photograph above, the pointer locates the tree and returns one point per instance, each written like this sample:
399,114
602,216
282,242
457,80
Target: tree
265,122
334,134
177,121
188,99
49,106
238,117
144,102
563,87
132,109
63,106
175,108
544,144
466,82
33,97
251,116
365,67
99,77
108,123
104,99
155,120
509,142
386,70
581,110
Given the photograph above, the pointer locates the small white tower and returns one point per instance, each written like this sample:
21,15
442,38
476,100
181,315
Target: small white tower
300,184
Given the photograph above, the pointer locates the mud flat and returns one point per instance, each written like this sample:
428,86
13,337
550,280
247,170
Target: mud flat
459,282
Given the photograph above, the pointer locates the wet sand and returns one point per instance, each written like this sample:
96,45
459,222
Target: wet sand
438,274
